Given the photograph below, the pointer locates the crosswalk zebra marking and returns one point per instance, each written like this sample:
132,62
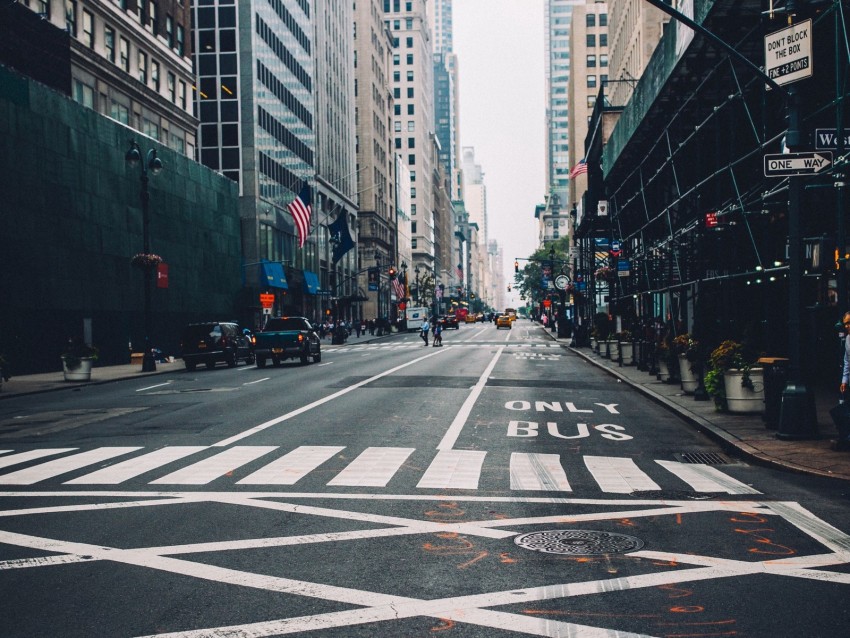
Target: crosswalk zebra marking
538,472
293,466
216,466
704,478
618,475
373,468
64,465
23,457
458,469
115,474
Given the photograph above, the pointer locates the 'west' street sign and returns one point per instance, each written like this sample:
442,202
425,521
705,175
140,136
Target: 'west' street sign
785,164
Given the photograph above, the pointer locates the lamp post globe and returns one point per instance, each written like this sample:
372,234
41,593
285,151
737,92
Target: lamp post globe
153,165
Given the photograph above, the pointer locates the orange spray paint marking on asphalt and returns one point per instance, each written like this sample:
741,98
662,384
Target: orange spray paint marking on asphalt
474,560
447,624
505,558
676,592
687,609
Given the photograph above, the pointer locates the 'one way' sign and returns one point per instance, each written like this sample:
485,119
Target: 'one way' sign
785,164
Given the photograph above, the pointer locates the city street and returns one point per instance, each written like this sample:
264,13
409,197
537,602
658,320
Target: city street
499,485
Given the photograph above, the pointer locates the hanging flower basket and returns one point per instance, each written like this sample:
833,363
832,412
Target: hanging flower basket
605,273
146,261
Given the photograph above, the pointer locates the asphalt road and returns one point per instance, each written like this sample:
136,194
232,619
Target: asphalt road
496,486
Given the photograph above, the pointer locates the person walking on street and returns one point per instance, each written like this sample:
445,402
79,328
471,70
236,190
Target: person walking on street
438,334
424,329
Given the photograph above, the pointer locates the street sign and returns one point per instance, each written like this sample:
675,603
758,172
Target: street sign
267,299
561,282
827,138
615,248
788,53
784,164
623,268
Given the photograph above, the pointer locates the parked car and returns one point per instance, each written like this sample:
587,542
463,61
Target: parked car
503,321
213,341
448,321
288,338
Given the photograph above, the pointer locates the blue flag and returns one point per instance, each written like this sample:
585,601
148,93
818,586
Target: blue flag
340,236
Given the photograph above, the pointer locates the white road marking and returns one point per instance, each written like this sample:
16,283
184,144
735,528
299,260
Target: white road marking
538,472
322,401
151,387
373,468
704,478
115,474
257,381
23,457
618,475
64,465
452,434
293,466
475,608
458,469
216,466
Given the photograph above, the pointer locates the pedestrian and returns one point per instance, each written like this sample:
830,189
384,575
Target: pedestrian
438,334
357,327
424,329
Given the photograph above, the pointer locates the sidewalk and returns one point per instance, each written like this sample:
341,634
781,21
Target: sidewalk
743,434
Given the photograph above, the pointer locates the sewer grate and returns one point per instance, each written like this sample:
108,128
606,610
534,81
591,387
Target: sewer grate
702,458
578,542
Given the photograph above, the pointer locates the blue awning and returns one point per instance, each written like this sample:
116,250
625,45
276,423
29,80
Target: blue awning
274,275
311,282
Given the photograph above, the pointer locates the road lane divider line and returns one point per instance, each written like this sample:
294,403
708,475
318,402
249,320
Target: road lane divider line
257,381
151,387
452,434
322,401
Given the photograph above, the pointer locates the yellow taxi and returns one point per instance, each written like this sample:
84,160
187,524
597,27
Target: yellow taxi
504,321
470,318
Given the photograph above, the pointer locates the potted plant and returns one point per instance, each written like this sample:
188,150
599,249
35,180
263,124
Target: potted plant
687,351
662,360
77,360
743,384
627,347
145,261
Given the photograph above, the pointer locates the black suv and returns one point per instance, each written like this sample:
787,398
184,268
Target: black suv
214,341
448,321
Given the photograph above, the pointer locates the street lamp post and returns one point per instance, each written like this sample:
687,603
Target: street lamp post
378,262
418,292
153,164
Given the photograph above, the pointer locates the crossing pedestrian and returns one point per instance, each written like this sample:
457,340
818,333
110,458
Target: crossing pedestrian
424,329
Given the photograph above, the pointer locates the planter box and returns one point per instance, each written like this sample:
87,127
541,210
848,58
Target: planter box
741,400
663,371
690,379
628,351
613,349
81,372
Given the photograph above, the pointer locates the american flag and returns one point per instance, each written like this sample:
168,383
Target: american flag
302,210
459,272
398,288
579,168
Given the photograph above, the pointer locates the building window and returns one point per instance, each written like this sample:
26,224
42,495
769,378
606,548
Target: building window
169,31
413,194
410,76
42,8
411,125
411,160
88,29
71,17
119,112
591,81
396,76
408,42
591,101
398,142
410,109
591,61
410,91
409,58
408,23
397,93
182,94
397,126
603,39
171,83
603,59
153,16
143,67
109,43
411,142
397,109
413,227
591,40
155,75
603,19
83,94
396,59
124,54
590,20
181,40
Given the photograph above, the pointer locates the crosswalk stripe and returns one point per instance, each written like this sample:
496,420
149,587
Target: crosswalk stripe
64,465
131,468
208,470
293,466
704,478
538,472
23,457
459,469
619,475
373,468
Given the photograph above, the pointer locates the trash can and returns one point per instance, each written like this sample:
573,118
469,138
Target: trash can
775,380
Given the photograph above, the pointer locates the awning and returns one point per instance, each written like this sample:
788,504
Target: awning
274,276
311,282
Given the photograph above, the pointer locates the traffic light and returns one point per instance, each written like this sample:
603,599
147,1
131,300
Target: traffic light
391,272
516,266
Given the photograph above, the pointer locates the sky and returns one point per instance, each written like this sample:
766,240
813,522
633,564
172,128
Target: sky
499,44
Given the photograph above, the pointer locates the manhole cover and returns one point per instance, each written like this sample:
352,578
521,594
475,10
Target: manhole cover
578,542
